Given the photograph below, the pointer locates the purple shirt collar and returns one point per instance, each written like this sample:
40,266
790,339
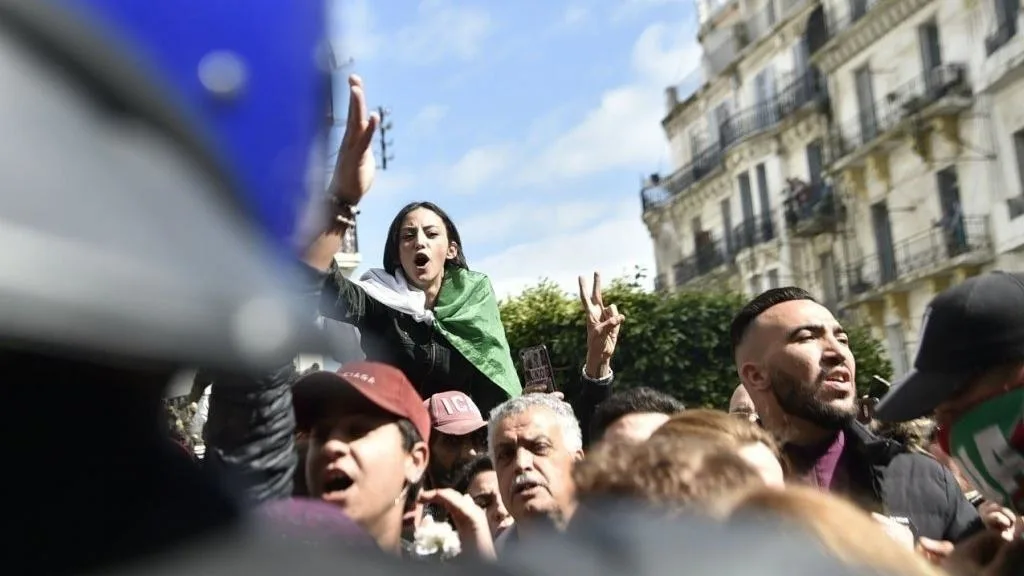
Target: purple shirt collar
823,460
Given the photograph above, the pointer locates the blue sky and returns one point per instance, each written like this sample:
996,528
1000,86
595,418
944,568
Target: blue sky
530,122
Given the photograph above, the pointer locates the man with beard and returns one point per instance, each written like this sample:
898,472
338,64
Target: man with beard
794,359
459,434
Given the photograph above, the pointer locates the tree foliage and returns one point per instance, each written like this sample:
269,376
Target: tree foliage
677,343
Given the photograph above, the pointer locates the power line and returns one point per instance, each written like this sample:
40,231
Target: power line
384,127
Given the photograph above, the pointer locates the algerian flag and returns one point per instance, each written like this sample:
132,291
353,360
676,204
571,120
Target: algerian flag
465,313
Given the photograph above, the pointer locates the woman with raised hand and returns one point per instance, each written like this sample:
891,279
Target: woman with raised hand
424,311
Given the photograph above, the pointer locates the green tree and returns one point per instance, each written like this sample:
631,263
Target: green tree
677,343
872,360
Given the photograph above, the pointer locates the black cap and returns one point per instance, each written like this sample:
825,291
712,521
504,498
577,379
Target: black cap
967,329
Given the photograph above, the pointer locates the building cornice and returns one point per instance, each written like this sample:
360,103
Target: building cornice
882,18
771,43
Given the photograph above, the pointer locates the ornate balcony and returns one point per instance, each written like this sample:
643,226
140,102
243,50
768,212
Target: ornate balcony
709,256
660,191
729,29
800,93
811,209
939,93
752,232
932,252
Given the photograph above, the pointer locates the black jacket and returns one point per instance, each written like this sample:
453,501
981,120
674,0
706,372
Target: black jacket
417,348
908,484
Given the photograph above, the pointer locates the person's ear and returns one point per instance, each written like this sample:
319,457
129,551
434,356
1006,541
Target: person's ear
416,463
453,251
754,378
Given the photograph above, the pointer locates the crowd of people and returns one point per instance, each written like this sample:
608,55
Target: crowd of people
429,456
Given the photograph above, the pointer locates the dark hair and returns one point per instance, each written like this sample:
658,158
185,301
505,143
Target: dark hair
759,305
632,401
410,436
464,476
391,261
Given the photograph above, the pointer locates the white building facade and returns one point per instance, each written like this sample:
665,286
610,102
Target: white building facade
751,133
922,151
895,170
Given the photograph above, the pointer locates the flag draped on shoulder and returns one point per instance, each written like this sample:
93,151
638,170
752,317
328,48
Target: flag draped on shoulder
465,313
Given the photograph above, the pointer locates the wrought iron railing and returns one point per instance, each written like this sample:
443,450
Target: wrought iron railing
907,99
811,202
707,257
756,25
752,232
799,92
921,251
704,163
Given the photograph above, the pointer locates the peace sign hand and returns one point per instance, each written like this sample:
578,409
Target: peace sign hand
355,167
603,324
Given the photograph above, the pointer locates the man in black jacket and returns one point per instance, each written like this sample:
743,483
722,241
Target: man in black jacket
794,359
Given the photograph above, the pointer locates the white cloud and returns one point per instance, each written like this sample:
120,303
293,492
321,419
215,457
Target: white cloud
439,31
613,248
626,9
528,219
428,119
624,130
575,14
442,31
478,168
389,184
352,20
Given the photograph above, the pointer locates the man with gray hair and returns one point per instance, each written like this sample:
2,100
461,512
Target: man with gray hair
534,441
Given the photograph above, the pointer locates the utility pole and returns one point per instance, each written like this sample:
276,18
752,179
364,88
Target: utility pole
383,129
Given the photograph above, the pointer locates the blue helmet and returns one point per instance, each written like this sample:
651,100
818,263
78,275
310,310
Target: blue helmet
157,159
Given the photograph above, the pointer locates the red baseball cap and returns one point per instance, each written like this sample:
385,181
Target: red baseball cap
454,413
384,386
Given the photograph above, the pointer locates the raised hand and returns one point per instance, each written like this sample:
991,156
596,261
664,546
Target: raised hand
469,519
603,324
355,167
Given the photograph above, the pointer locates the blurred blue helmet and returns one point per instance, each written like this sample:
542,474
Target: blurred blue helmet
156,161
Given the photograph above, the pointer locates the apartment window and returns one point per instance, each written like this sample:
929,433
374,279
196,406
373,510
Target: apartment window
773,279
726,208
1006,12
770,12
814,161
897,349
1016,204
829,290
800,56
866,103
748,228
1006,15
858,8
767,230
755,284
931,49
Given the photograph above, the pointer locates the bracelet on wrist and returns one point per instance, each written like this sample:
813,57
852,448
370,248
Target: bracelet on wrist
343,212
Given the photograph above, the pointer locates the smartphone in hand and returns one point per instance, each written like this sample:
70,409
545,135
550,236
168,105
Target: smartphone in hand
537,371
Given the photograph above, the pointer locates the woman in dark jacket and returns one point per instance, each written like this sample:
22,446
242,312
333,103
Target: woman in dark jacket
426,312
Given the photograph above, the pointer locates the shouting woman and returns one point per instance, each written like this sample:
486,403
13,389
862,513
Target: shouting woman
424,311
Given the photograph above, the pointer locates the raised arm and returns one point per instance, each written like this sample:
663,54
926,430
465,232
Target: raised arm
595,384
